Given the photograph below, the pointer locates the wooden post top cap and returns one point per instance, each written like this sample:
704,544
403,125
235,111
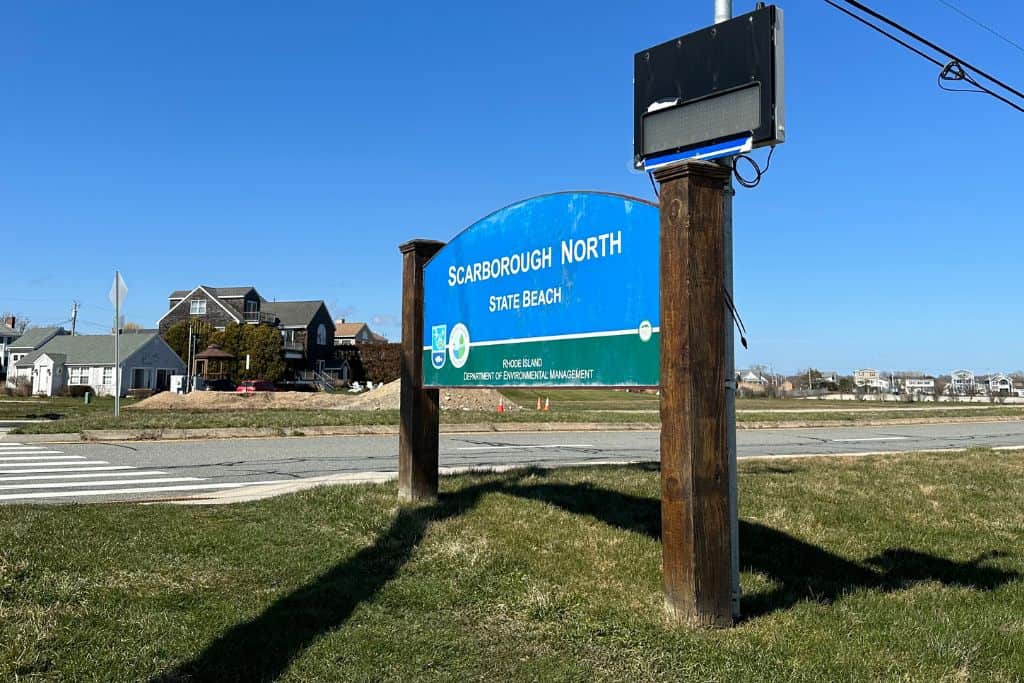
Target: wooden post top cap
706,169
421,246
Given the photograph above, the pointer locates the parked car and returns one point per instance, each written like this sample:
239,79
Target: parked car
250,385
219,385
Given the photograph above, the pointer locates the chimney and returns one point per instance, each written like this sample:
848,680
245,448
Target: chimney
9,321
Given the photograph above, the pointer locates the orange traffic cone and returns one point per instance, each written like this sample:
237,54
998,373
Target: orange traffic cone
538,403
547,404
501,405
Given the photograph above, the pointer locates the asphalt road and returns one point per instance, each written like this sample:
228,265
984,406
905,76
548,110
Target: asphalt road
155,470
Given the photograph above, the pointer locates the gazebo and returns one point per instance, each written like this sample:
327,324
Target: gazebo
213,363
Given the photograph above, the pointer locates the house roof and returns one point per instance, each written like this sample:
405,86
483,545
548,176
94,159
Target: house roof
6,331
88,349
35,337
214,291
293,313
344,329
378,337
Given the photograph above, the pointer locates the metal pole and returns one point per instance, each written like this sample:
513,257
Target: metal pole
723,12
117,341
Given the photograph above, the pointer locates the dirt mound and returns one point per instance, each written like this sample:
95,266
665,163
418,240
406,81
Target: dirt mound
387,398
229,400
384,398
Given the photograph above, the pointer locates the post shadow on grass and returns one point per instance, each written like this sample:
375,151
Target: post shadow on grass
801,571
262,648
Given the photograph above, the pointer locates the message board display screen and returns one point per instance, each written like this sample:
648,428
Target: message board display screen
721,84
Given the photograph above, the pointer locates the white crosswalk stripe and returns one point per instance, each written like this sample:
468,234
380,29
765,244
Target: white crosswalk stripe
39,472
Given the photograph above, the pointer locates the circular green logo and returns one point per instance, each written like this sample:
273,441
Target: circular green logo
458,345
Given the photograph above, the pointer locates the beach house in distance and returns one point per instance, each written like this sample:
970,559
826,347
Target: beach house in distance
306,327
63,361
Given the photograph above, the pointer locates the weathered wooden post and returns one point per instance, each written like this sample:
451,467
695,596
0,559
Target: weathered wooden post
695,525
418,432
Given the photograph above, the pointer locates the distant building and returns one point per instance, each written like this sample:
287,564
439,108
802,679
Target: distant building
917,386
32,339
962,383
306,327
871,379
347,334
147,362
1000,385
7,335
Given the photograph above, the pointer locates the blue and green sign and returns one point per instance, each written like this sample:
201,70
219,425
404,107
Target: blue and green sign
558,290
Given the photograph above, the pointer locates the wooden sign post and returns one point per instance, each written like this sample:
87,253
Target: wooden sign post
696,531
418,432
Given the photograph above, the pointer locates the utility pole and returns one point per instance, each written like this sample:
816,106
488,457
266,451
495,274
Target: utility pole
74,317
723,12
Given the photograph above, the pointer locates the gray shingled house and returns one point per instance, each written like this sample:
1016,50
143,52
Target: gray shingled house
306,327
147,362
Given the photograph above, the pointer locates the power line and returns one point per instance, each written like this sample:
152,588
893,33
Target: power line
886,34
954,69
924,41
988,28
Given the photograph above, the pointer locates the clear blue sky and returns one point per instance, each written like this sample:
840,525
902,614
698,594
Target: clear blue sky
293,146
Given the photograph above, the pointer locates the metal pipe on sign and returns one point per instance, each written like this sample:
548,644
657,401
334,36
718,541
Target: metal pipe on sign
723,12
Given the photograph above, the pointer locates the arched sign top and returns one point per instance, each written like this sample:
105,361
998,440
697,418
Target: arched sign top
556,290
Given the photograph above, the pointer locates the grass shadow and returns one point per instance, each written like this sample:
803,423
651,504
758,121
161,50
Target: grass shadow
800,571
262,648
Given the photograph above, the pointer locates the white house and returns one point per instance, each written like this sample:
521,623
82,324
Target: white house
33,339
918,385
869,377
147,362
1000,385
7,335
962,383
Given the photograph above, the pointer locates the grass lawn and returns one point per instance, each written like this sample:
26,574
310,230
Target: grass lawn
853,569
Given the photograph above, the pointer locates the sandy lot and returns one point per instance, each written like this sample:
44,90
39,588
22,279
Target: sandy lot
384,398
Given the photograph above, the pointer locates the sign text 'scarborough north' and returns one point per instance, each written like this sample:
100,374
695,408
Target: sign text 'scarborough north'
558,290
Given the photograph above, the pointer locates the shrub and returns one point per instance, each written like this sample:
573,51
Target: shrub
22,387
77,391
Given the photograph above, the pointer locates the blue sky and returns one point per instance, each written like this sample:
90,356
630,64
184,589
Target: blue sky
293,146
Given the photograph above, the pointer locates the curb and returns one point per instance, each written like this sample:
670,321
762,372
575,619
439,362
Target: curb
106,435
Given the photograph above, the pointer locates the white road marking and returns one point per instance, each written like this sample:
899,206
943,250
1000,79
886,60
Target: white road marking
12,454
112,482
874,438
144,489
133,473
498,448
51,463
68,469
18,446
5,458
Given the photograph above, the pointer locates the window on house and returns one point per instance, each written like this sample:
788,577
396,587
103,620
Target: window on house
321,335
197,307
108,376
78,375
